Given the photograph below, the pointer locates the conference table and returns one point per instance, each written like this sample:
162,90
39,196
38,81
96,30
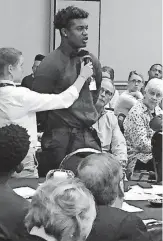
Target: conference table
149,212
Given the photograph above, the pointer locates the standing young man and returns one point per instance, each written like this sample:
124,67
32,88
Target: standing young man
68,130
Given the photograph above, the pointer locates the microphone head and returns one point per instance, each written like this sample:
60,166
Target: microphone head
87,59
84,54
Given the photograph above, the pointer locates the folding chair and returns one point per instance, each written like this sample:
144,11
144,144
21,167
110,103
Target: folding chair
72,160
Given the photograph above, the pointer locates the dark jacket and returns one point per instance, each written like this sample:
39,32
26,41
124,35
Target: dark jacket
113,224
13,209
55,74
27,81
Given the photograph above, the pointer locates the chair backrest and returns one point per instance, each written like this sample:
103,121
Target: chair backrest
72,160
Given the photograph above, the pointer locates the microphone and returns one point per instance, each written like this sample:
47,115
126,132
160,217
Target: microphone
84,54
87,59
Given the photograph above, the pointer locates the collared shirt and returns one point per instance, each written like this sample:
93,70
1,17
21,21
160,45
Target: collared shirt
58,71
18,105
138,133
112,139
40,232
125,102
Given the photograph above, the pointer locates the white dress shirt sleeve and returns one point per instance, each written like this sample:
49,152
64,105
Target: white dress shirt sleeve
118,142
36,102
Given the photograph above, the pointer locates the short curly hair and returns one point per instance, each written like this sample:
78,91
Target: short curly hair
14,145
64,16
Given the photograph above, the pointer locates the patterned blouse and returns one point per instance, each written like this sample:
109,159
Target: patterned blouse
138,133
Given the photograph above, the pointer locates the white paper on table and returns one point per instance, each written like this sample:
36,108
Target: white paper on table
129,208
146,221
139,194
25,192
156,189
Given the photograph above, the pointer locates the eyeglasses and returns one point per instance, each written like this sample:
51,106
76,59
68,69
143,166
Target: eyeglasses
107,92
135,81
59,173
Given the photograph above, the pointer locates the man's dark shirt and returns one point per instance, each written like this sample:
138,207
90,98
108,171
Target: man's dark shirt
28,81
55,74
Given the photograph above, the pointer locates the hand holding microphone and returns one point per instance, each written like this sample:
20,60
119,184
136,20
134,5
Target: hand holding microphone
86,71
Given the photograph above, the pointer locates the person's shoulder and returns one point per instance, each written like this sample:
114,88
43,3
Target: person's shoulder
49,63
27,77
21,90
111,214
114,224
110,115
137,108
94,58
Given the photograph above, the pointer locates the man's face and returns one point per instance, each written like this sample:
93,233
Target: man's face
135,83
106,92
77,33
35,65
155,72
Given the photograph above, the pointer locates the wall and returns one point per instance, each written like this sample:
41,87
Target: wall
93,9
25,25
130,31
131,35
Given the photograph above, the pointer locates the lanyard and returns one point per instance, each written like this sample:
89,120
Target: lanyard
5,84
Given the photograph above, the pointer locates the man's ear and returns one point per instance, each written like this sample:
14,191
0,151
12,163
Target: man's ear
10,68
64,32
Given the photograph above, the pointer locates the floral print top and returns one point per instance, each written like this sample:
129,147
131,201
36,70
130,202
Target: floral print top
138,133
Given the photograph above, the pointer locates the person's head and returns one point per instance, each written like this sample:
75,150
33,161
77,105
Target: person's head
106,92
102,174
153,93
11,64
66,210
155,71
14,145
108,70
37,61
135,81
73,26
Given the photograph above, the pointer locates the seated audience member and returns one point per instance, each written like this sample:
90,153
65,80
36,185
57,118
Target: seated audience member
28,80
156,125
155,71
61,211
129,97
19,105
108,131
102,175
109,72
137,132
14,145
